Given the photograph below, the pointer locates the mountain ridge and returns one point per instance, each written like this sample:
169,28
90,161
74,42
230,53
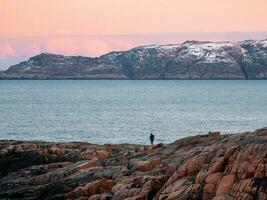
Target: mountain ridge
189,60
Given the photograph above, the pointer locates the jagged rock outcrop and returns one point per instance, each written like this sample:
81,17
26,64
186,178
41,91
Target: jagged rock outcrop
254,63
189,60
209,166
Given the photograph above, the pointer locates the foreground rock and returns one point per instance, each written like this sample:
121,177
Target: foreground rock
189,60
210,166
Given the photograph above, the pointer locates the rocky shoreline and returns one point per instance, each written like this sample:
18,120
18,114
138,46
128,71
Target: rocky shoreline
209,166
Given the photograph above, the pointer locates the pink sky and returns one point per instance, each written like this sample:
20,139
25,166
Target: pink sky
94,27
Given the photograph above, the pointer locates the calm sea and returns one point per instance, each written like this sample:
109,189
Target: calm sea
126,111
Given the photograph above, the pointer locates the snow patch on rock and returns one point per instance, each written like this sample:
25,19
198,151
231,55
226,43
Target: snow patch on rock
264,43
208,52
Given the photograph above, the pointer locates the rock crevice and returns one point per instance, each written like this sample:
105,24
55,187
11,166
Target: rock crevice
209,166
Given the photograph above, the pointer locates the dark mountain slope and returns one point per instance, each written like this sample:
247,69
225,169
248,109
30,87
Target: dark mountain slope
190,60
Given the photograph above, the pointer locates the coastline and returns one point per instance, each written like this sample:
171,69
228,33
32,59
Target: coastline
198,167
134,79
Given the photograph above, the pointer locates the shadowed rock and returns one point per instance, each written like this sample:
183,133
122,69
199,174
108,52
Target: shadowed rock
213,166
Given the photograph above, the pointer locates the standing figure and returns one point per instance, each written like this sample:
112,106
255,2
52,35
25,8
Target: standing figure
152,137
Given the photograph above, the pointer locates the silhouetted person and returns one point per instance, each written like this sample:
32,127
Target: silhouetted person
152,137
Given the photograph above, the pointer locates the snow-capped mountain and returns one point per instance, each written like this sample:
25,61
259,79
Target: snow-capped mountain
189,60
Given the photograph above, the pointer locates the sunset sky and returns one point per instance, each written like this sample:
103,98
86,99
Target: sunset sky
94,27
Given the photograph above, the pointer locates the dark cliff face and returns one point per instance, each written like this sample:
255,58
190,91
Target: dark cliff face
147,61
190,60
202,60
254,63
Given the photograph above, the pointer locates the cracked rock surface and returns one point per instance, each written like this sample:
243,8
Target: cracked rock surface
209,166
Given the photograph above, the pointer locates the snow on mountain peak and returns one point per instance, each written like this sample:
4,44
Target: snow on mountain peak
264,43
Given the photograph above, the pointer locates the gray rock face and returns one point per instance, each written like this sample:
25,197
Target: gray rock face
58,66
254,63
204,60
190,60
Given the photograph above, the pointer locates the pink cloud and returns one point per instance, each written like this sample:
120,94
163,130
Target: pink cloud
76,46
32,49
94,47
6,51
60,45
122,44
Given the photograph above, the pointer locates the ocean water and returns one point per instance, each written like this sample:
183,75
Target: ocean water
127,111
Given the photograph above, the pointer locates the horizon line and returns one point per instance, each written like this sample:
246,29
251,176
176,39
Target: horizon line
133,34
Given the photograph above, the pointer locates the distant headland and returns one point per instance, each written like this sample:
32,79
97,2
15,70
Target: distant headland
189,60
